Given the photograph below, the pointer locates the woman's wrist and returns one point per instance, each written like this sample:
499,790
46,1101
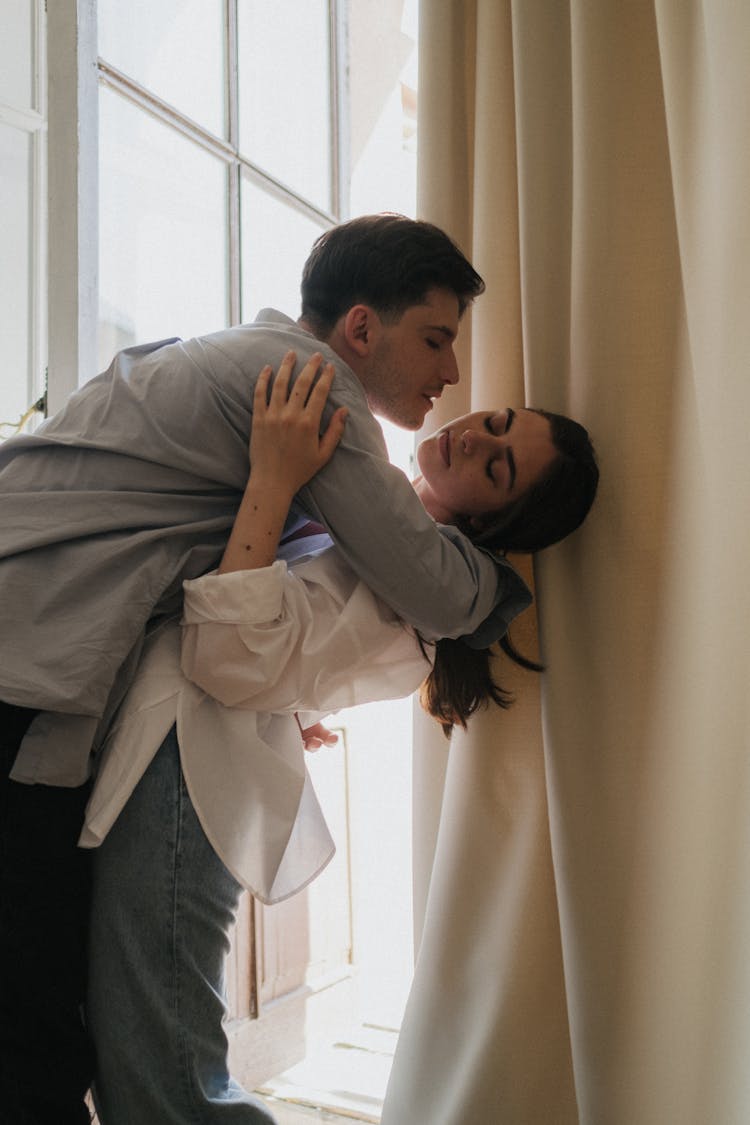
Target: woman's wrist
258,525
286,450
265,487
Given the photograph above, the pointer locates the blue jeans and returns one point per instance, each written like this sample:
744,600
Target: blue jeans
163,903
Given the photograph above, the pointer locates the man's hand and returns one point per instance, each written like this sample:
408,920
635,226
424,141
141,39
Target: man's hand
316,736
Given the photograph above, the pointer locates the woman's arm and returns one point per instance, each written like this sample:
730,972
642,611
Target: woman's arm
286,450
308,638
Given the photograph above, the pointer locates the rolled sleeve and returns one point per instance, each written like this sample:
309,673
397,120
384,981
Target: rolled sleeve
326,643
239,597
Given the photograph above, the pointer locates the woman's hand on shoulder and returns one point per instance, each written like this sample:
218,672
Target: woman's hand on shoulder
286,450
287,447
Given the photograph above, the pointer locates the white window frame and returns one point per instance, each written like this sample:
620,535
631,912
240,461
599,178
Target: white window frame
75,73
32,121
72,196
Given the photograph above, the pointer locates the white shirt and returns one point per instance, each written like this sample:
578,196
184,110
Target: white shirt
256,647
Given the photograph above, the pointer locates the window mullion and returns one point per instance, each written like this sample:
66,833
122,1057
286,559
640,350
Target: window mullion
339,116
39,349
233,172
72,195
232,83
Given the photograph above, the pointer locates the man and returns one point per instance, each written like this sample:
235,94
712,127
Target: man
131,489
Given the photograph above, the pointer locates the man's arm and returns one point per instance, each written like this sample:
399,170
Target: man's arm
434,578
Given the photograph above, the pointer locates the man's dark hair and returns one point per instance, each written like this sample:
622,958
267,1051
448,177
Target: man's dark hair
386,261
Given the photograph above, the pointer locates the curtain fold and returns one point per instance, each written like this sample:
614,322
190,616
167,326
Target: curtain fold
582,861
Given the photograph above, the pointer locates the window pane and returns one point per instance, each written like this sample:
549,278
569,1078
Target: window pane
173,47
163,215
15,276
382,85
284,62
275,243
16,53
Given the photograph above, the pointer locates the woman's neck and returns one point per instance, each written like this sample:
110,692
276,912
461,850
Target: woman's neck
430,502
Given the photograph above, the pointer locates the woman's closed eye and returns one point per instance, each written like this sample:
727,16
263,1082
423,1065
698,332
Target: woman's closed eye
497,424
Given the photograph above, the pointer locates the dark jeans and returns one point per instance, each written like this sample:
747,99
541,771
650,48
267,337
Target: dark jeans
46,1061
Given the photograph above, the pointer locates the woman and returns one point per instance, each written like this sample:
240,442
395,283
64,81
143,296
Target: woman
264,638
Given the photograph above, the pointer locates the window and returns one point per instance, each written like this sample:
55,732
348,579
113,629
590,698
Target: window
22,190
217,161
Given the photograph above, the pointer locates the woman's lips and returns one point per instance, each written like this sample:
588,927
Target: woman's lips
444,445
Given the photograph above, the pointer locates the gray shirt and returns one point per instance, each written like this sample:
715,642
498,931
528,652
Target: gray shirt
133,487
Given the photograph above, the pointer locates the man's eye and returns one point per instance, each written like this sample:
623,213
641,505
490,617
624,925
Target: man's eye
433,344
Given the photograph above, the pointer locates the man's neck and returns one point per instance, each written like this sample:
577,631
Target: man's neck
336,341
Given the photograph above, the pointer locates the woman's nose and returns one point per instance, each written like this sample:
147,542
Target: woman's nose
480,441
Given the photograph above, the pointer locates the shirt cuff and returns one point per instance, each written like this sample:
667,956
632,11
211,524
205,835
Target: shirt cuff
240,597
516,597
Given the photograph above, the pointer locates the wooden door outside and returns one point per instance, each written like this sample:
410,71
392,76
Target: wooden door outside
290,970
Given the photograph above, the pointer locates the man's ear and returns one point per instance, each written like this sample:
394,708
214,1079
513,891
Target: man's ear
360,329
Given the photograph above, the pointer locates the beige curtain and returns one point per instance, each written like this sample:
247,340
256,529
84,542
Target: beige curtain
583,861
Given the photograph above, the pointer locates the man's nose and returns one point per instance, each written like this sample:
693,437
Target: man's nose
450,373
